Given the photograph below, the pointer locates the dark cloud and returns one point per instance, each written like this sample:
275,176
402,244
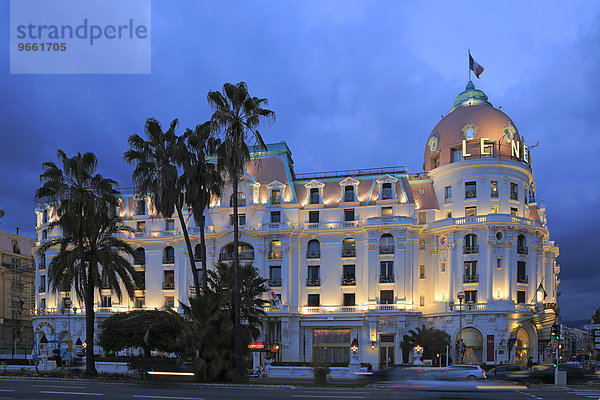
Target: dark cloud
354,84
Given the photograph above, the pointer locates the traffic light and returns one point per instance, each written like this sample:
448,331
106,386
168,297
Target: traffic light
555,332
560,346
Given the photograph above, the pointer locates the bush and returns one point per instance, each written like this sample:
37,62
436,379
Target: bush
320,371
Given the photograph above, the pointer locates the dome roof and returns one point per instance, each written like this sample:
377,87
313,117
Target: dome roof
471,118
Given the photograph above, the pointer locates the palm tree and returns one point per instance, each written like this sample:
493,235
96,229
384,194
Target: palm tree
78,197
156,174
431,339
201,180
237,117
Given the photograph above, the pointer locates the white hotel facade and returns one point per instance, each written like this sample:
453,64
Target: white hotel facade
367,254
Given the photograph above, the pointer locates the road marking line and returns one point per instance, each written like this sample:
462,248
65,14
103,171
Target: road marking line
329,397
75,393
7,390
58,386
166,397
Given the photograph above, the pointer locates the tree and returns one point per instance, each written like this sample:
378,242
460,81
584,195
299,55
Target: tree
596,317
156,174
237,116
209,328
83,203
201,180
432,340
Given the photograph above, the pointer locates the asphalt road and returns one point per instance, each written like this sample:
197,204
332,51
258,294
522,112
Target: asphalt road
75,390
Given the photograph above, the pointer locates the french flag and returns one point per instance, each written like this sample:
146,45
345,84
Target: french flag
473,66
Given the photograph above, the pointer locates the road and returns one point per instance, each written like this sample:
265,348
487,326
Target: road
23,388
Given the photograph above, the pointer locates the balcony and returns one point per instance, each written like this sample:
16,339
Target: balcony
312,225
481,219
386,278
522,279
313,254
275,282
348,281
389,220
473,249
42,267
41,289
472,278
387,194
168,285
349,224
244,255
349,252
470,194
275,255
313,282
386,249
168,260
522,250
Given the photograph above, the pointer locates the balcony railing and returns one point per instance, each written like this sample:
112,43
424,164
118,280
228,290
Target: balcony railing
349,252
472,278
348,280
168,260
275,282
42,267
312,225
386,249
473,249
386,278
168,285
387,194
522,279
313,254
349,197
522,250
41,289
275,255
244,255
313,282
349,224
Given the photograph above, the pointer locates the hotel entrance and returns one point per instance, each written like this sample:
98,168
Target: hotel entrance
387,350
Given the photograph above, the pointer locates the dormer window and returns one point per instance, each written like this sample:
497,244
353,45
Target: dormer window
349,192
276,196
314,196
314,192
387,187
140,207
276,190
241,200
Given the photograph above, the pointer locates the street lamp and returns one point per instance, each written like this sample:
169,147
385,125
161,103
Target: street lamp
68,303
354,346
461,296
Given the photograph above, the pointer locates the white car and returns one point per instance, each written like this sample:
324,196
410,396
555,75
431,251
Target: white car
464,372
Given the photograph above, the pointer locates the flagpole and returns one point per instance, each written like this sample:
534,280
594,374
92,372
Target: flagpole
469,68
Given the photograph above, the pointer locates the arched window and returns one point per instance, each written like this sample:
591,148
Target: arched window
470,244
15,247
473,346
314,249
348,248
241,200
275,250
43,261
198,252
168,255
521,245
245,252
141,256
386,244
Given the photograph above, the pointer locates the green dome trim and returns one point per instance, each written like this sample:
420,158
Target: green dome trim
470,96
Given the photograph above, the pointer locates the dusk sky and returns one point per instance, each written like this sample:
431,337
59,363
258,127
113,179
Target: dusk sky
354,84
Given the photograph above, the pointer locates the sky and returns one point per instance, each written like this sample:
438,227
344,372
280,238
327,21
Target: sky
354,84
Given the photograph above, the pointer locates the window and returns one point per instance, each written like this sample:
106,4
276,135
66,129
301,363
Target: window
448,194
140,207
498,263
349,193
331,345
140,258
514,211
140,302
520,296
275,250
198,252
422,218
313,217
386,297
275,217
314,196
471,275
241,219
313,276
241,199
471,295
42,261
169,280
470,244
349,275
106,302
313,300
63,302
349,215
494,189
45,217
521,274
421,244
522,245
15,247
349,299
313,249
168,255
470,190
348,248
386,272
275,196
526,196
169,301
169,225
470,211
141,226
386,244
436,162
386,191
245,252
45,234
104,284
43,304
422,301
443,267
275,275
494,209
422,271
42,284
140,280
455,155
448,213
387,211
514,191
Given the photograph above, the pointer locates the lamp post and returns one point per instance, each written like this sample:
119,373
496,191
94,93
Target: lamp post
68,303
461,296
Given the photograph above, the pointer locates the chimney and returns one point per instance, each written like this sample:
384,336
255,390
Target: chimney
18,230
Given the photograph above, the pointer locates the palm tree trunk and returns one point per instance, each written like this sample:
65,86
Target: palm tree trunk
237,332
90,365
189,247
203,254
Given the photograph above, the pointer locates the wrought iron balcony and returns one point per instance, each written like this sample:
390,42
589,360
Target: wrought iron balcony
349,252
387,194
243,255
313,282
348,280
386,278
349,197
168,260
313,254
473,249
472,278
386,249
522,279
275,255
522,250
168,285
275,282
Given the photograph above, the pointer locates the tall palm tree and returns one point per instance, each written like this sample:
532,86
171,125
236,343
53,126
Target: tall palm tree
78,196
237,116
156,174
201,180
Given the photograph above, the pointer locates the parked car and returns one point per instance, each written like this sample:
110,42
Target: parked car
502,371
545,373
465,372
451,373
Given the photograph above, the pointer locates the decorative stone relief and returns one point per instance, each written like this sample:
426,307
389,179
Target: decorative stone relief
373,245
